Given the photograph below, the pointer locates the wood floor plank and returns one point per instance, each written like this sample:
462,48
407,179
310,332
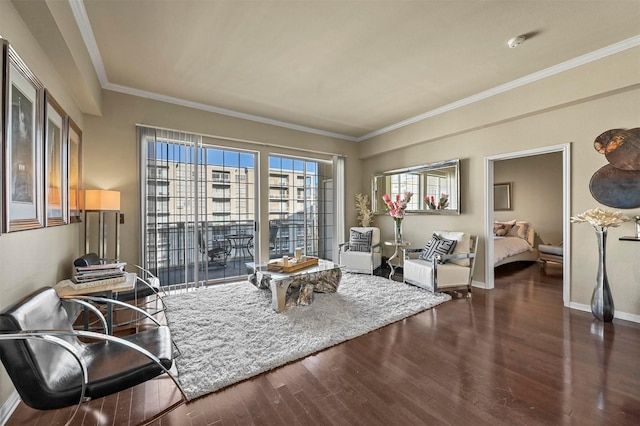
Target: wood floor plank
513,355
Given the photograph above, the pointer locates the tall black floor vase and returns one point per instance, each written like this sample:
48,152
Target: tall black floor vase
602,299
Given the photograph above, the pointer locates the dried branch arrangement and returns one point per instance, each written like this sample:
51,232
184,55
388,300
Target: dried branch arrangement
363,205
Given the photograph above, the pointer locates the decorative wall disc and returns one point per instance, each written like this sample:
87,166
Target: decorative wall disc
623,150
616,188
601,142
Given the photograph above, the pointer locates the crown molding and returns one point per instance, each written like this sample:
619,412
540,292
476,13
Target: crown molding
80,14
545,73
222,111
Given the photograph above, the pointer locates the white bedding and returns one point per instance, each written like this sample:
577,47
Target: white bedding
504,247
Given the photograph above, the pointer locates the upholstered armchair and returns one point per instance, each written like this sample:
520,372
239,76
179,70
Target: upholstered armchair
446,262
363,252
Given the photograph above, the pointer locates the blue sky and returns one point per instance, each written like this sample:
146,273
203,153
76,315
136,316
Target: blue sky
219,157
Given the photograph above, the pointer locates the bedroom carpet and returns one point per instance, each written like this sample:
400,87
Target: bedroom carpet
228,333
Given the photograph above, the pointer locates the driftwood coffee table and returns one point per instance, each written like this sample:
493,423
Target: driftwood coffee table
297,287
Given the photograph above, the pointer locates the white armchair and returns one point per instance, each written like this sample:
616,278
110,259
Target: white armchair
363,252
444,271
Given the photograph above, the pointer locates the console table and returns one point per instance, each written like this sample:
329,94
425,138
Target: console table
67,288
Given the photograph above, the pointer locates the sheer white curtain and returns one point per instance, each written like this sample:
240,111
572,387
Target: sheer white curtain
167,233
339,165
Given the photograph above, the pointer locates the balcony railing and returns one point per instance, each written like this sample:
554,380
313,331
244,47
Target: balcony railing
172,248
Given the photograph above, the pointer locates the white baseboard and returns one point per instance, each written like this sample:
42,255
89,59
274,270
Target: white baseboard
9,407
478,284
619,315
579,306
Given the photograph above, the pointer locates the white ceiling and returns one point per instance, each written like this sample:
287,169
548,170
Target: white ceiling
350,69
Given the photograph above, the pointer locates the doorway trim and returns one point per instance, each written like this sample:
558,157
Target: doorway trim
565,149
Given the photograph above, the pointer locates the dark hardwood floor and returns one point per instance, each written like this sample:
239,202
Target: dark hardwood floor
510,356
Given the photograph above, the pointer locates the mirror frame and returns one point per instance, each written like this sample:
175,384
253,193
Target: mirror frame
375,196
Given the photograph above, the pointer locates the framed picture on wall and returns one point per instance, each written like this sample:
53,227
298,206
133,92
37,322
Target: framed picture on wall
4,52
502,196
23,171
55,162
74,161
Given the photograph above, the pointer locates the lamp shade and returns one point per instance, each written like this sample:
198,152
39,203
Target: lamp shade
101,200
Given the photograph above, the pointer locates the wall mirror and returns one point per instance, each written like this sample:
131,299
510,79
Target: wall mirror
502,196
436,188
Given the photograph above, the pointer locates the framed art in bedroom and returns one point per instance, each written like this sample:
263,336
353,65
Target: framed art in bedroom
23,147
502,196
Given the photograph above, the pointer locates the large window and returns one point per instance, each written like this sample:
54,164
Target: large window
200,204
199,208
300,207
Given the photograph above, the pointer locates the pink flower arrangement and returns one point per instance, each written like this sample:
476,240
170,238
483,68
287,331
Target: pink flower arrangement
442,203
397,206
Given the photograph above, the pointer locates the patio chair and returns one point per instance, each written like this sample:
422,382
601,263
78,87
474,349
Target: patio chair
216,251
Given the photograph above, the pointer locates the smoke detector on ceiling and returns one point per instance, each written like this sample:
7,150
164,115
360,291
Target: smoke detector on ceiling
516,41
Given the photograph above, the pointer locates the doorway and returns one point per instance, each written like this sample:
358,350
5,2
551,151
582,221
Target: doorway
489,211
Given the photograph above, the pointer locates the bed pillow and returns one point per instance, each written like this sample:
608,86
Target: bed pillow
360,241
520,230
437,246
501,229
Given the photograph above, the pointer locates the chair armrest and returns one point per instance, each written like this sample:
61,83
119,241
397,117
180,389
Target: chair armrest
454,256
89,306
146,271
51,338
149,279
57,334
139,349
409,251
114,302
375,246
341,245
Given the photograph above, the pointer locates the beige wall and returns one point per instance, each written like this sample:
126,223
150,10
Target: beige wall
542,114
110,152
536,185
36,258
573,107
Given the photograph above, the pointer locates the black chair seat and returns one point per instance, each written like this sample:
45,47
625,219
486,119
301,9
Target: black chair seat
112,366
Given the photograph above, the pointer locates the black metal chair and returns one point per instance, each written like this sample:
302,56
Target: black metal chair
51,367
273,234
217,252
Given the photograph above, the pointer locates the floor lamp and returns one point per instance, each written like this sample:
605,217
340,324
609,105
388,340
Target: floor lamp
102,202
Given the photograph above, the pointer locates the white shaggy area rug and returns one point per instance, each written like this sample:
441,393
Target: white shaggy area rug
228,333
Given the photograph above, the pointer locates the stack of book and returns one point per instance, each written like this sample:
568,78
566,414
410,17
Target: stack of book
97,275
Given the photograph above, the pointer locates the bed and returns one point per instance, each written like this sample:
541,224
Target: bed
516,244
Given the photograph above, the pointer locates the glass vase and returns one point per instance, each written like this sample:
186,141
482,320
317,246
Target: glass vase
398,231
602,299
